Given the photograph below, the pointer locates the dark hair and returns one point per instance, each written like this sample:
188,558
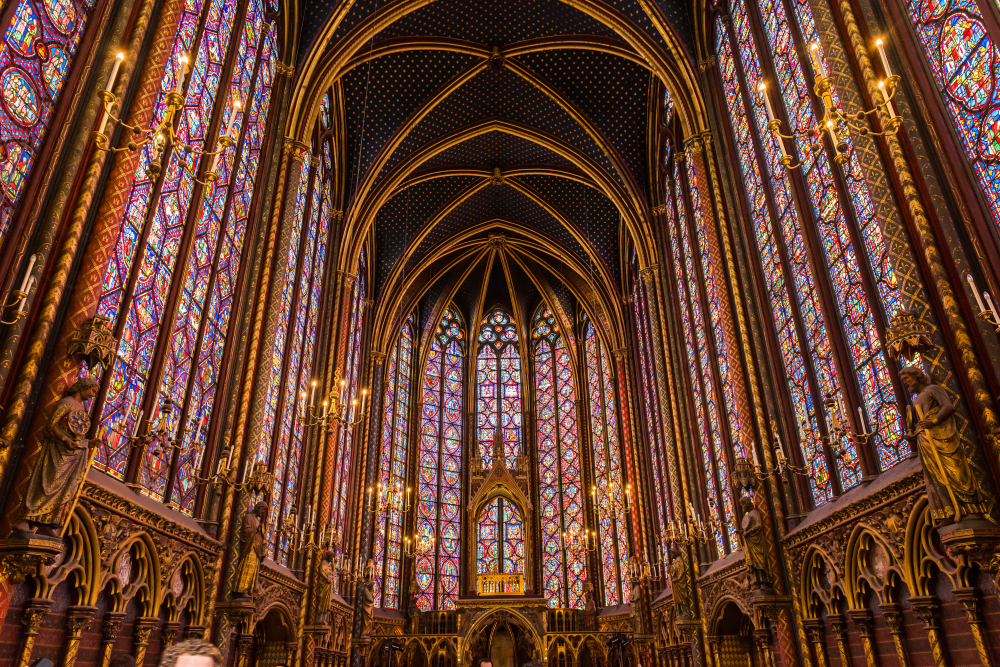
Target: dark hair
478,662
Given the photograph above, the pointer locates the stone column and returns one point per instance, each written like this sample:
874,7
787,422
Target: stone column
969,599
816,630
143,629
862,620
77,620
34,611
110,628
929,610
839,624
893,614
169,633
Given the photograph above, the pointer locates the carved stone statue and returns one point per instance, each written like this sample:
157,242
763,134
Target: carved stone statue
368,596
58,475
251,551
536,660
590,607
324,588
754,544
951,486
677,574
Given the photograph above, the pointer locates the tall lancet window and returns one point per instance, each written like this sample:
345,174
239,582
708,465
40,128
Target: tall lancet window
963,60
499,381
439,471
560,493
171,280
609,491
355,369
392,469
500,528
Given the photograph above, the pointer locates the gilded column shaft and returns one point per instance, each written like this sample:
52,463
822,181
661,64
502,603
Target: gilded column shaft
862,619
110,628
76,623
839,624
929,610
34,611
893,614
969,599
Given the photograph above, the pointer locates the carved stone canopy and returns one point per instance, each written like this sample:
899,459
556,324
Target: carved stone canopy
906,336
94,341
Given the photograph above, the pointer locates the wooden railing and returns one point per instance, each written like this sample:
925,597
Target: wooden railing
499,583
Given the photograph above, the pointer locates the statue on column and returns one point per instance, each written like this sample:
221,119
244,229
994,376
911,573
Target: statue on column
324,588
951,487
251,552
682,601
58,475
367,579
754,544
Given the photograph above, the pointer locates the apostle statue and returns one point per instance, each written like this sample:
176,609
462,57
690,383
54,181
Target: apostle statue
951,486
590,610
58,475
251,551
676,570
367,580
754,544
324,588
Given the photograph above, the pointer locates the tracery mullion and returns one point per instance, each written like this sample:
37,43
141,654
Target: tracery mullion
789,285
233,161
698,393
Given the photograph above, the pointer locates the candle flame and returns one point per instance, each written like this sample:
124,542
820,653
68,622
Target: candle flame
120,56
878,42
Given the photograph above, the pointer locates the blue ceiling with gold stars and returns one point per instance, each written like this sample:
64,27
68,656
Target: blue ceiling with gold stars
462,120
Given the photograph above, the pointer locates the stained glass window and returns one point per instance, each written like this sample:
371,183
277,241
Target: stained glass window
391,485
652,414
699,363
965,64
498,379
355,348
439,468
560,485
609,492
843,259
35,57
142,273
500,538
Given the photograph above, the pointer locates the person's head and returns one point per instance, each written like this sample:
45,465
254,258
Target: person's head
913,379
85,387
260,509
746,502
482,662
191,653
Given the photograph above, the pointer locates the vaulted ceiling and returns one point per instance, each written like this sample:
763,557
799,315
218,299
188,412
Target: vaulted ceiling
495,151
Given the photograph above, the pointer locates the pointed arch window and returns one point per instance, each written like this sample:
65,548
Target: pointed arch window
355,349
853,262
701,362
498,378
36,53
963,61
653,414
609,490
439,470
392,467
500,527
560,485
170,282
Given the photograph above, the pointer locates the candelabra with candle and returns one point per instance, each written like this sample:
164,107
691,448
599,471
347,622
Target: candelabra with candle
583,541
609,497
387,499
991,316
164,134
339,414
21,294
834,117
419,545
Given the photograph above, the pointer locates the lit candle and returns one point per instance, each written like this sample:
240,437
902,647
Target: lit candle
31,265
818,60
135,431
767,100
114,71
888,102
313,395
181,71
370,499
881,53
833,134
233,118
972,284
754,450
986,295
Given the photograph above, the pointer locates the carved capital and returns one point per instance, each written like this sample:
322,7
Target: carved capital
378,357
815,629
169,633
111,626
244,645
969,599
893,614
839,625
764,639
34,612
296,149
648,274
194,632
659,210
620,353
281,69
928,609
78,619
862,620
497,241
707,63
314,162
27,555
143,628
